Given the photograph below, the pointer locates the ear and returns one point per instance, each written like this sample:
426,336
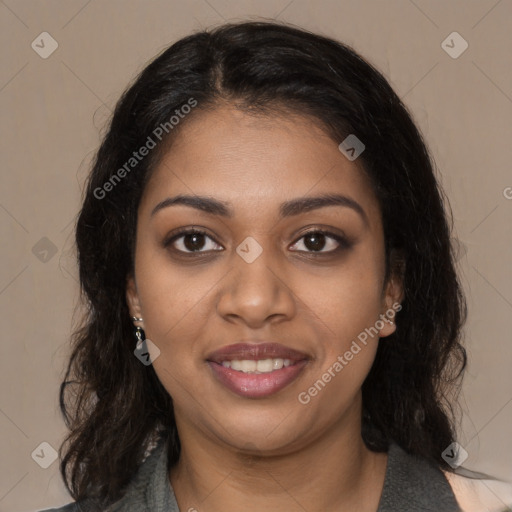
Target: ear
132,297
393,295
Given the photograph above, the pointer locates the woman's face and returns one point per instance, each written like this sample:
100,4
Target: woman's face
261,274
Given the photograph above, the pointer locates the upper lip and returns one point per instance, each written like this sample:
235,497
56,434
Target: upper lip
255,351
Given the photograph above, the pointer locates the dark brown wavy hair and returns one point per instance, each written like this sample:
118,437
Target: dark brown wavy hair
113,405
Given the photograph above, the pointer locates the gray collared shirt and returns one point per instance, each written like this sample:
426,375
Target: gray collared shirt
410,485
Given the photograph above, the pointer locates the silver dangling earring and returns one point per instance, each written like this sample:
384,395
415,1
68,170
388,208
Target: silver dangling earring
140,335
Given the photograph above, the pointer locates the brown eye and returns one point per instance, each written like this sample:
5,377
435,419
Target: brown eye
191,241
318,240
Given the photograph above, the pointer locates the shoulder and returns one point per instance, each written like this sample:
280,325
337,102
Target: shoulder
477,494
414,484
135,494
420,482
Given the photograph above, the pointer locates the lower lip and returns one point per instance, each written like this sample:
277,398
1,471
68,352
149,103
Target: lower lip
254,385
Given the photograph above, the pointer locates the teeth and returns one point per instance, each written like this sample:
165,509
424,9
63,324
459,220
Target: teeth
267,365
248,366
260,366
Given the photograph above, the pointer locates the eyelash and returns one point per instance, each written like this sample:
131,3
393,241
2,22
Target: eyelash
342,241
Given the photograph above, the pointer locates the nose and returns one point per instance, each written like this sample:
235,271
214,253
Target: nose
256,293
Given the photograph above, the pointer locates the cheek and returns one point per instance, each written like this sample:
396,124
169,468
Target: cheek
337,385
176,309
348,300
349,307
170,296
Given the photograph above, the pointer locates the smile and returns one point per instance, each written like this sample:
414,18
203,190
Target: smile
256,370
254,383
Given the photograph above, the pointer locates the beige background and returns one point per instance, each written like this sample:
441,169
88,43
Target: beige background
53,110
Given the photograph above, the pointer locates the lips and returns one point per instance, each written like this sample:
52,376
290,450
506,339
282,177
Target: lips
249,384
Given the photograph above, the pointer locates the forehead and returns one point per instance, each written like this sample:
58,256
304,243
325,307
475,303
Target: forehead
258,160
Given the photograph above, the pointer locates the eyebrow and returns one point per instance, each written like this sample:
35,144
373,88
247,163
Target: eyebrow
287,209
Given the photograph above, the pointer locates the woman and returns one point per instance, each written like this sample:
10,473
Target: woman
274,315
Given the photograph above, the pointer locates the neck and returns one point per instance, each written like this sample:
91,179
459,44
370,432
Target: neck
334,472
